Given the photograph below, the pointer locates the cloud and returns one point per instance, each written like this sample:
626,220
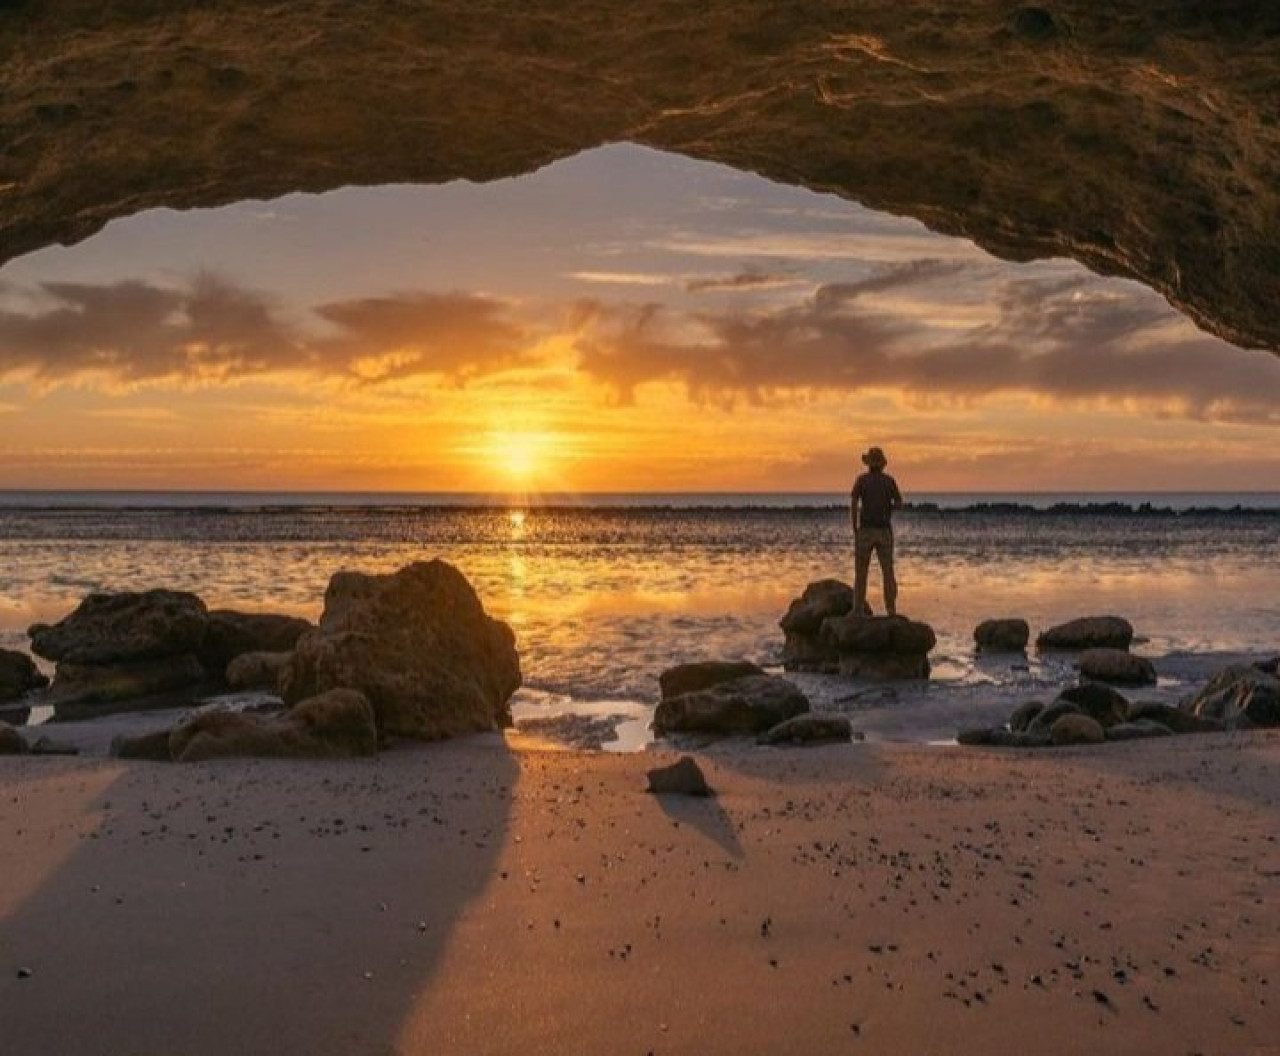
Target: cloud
211,331
747,279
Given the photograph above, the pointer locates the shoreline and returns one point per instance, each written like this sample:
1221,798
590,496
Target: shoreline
482,896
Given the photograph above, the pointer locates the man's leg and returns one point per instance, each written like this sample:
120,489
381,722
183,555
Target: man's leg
861,566
884,551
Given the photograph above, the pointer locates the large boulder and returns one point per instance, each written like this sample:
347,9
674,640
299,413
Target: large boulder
824,634
116,628
1118,667
418,644
257,670
335,724
1002,636
18,675
747,705
1088,632
229,634
1101,703
1076,729
689,678
1239,696
82,691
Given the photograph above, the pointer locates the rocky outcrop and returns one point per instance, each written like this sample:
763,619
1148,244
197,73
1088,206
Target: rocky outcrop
689,678
682,778
810,728
749,704
418,644
336,724
1002,636
1088,632
1143,142
1239,697
257,671
118,628
823,634
229,634
1117,667
18,676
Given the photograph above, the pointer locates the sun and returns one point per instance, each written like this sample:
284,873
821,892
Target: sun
521,457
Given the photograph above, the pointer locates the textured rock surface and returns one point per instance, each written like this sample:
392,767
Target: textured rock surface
84,691
1076,729
1117,666
1176,719
116,628
257,670
418,644
1088,632
683,777
1002,636
689,678
1101,703
751,704
1239,696
229,634
1140,137
810,729
18,675
822,634
335,724
1140,730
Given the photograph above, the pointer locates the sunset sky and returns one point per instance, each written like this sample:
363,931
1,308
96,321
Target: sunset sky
624,320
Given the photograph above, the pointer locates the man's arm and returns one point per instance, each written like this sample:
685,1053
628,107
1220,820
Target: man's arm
854,498
895,498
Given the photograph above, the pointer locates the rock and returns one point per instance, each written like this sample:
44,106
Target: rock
1002,636
1118,667
418,644
150,746
689,678
11,742
15,714
229,634
998,737
1076,729
683,777
1175,719
810,729
257,670
82,691
748,705
1270,667
334,724
1137,731
18,676
1088,632
1101,703
1239,696
1024,714
826,597
116,628
823,634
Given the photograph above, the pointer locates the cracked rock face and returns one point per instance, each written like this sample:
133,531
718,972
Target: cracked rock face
1141,137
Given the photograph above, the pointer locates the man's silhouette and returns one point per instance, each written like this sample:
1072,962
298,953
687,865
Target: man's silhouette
874,500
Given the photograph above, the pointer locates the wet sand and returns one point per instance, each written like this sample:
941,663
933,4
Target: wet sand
489,897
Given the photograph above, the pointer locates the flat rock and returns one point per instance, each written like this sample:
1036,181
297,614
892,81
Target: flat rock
1076,729
810,728
1088,632
18,676
683,777
1118,667
1239,696
689,678
335,724
748,705
1002,636
230,634
418,644
124,628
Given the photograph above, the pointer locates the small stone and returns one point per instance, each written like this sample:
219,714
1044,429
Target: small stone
683,777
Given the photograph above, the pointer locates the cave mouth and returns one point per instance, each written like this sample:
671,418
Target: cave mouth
625,319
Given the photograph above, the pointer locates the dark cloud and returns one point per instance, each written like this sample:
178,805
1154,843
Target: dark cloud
746,279
211,330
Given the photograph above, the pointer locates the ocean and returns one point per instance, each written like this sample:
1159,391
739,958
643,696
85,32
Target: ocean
606,591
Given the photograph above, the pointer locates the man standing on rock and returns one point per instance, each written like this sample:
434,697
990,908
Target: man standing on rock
874,500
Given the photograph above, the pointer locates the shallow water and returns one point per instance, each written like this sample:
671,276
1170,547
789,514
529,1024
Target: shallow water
603,599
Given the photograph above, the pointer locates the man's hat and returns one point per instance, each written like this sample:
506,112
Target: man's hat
875,457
